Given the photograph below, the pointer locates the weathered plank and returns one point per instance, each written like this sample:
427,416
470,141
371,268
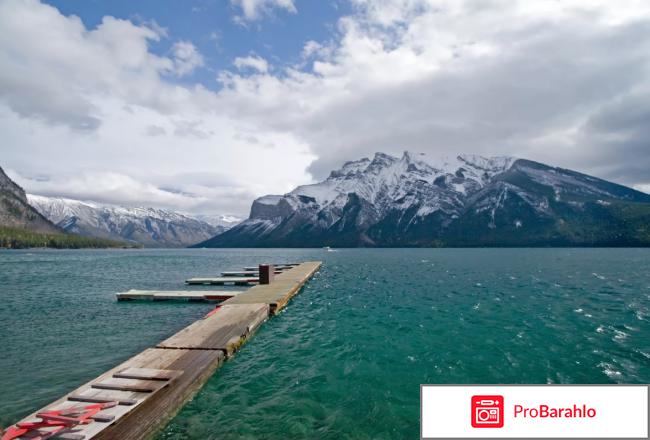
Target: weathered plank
136,385
224,330
245,273
277,266
147,374
237,281
100,398
189,295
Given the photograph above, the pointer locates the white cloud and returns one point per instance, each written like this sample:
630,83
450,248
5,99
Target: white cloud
564,83
203,164
448,76
52,65
252,62
186,58
97,103
255,9
105,187
311,48
155,130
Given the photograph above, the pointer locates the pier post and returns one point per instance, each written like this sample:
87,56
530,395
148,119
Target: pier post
266,273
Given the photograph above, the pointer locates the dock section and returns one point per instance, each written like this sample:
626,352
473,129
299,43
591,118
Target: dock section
143,393
245,273
178,295
142,402
223,281
280,291
225,329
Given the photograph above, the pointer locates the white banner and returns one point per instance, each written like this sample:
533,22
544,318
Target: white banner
545,411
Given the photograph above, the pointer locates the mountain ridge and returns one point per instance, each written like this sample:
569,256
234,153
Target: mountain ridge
22,226
467,200
151,227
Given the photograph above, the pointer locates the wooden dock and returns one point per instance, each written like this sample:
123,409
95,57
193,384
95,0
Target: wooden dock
224,329
276,266
223,281
245,273
178,295
152,386
281,290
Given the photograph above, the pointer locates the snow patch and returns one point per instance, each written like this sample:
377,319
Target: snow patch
269,200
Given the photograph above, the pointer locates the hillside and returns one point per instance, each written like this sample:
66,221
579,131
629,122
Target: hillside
19,238
22,226
16,212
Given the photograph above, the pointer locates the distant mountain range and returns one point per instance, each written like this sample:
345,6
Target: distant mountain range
467,200
150,227
22,226
223,222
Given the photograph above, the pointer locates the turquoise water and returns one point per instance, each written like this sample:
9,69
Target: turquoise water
347,357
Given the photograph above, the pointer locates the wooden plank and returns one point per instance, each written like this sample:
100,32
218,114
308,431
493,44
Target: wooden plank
136,385
70,436
223,280
179,295
212,295
103,418
224,330
90,399
147,374
189,295
277,267
221,296
245,273
89,394
134,294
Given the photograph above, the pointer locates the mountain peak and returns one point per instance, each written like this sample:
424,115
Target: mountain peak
466,200
351,167
383,156
491,164
410,156
381,160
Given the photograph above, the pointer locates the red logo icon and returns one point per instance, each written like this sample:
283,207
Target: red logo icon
487,411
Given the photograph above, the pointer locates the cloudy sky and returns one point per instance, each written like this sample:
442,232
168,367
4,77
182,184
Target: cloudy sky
202,106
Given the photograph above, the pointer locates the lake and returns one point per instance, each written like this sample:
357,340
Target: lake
346,358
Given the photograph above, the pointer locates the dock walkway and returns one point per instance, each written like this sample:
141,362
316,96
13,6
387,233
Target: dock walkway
222,281
153,385
281,290
188,295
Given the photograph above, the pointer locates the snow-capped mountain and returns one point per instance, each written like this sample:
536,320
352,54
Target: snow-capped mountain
468,200
221,221
150,227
